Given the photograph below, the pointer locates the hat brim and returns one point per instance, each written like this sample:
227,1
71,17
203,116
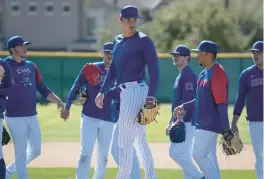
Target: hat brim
137,17
254,49
172,53
27,43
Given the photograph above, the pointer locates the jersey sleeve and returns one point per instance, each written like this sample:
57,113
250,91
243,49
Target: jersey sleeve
78,83
241,95
151,57
40,85
219,85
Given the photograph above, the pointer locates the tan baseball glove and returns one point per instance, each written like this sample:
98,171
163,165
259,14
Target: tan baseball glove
81,97
2,72
148,112
231,143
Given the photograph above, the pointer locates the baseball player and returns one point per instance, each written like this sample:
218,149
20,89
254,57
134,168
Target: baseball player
135,174
251,88
96,124
184,90
211,116
132,52
5,83
21,107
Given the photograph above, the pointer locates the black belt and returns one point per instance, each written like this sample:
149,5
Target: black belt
124,86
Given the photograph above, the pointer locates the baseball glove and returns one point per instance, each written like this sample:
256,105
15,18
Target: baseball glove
5,137
178,132
148,112
2,72
92,73
81,97
231,143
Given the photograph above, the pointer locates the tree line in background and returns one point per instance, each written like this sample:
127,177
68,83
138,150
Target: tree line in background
234,29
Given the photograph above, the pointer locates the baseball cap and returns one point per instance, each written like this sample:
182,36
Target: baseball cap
257,46
181,50
16,41
207,46
129,12
108,46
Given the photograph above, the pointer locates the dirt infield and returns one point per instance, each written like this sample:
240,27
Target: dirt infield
65,154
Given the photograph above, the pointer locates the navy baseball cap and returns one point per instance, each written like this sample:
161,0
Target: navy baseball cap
16,41
108,47
207,46
129,12
181,50
257,46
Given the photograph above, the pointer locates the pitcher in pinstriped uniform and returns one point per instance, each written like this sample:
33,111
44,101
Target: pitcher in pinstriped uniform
133,51
96,124
211,117
184,90
135,173
21,113
250,89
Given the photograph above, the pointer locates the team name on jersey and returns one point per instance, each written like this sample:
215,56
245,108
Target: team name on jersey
23,70
256,82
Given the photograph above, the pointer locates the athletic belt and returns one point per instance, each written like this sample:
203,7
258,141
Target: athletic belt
124,86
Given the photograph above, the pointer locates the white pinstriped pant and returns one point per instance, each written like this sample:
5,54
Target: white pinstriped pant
1,131
181,153
92,129
256,135
135,173
26,136
131,132
204,153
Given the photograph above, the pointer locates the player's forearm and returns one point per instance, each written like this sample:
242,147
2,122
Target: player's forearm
43,89
239,105
154,79
223,115
235,119
53,98
72,94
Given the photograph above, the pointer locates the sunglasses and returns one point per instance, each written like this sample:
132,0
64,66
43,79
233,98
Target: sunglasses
107,53
175,55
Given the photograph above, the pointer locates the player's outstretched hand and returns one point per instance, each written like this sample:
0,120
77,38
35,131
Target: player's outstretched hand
99,100
178,111
65,114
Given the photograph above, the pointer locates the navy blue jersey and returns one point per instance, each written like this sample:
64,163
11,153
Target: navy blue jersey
130,57
26,81
184,91
89,107
250,90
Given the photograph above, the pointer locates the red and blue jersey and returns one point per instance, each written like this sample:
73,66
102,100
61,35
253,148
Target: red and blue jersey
184,90
211,101
250,90
26,80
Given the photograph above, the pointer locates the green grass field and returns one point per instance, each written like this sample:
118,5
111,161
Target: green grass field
69,173
55,129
